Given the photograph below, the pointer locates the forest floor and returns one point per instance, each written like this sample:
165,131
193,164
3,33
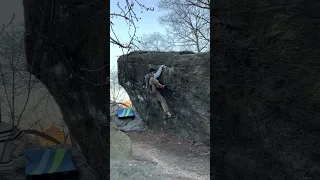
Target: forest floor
181,158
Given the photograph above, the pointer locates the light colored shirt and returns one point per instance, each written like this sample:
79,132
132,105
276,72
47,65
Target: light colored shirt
158,73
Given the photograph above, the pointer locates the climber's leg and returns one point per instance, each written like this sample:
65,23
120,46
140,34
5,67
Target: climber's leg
164,105
163,102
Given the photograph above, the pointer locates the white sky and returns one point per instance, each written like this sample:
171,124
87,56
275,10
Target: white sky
7,8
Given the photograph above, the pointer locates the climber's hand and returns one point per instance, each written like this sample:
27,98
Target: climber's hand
163,86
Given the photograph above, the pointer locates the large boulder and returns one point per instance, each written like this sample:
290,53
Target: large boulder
187,77
266,89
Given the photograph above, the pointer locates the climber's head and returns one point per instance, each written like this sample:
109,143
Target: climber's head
152,70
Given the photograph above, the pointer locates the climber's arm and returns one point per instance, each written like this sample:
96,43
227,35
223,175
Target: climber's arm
158,73
156,82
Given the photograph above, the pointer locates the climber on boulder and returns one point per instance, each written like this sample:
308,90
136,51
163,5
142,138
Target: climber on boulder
152,83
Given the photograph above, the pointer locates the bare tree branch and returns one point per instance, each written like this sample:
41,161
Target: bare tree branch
155,42
199,3
13,85
130,17
4,26
43,135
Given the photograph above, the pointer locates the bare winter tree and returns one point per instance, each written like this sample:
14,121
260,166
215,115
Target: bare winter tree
126,12
188,22
156,42
17,85
117,92
204,4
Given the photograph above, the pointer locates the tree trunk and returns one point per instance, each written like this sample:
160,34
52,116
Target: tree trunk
66,48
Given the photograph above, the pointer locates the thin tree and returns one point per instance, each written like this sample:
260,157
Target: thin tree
126,12
16,83
117,92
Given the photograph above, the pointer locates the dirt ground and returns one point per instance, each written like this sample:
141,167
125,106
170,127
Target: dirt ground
179,157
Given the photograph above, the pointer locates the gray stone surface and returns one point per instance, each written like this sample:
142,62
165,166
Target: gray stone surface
136,170
187,77
265,75
129,124
120,144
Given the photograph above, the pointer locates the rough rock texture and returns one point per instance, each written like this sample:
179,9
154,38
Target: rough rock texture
187,78
120,144
66,50
265,75
129,124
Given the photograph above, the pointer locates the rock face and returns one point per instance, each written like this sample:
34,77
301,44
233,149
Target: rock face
265,77
120,144
187,78
129,124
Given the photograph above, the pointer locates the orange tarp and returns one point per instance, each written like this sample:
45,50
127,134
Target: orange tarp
56,133
126,103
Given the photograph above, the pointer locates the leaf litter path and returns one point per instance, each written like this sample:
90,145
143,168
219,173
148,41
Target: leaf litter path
178,157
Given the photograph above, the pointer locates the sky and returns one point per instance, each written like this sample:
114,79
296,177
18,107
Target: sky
147,24
7,8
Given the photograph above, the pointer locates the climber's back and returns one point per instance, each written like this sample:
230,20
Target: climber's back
152,83
153,73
